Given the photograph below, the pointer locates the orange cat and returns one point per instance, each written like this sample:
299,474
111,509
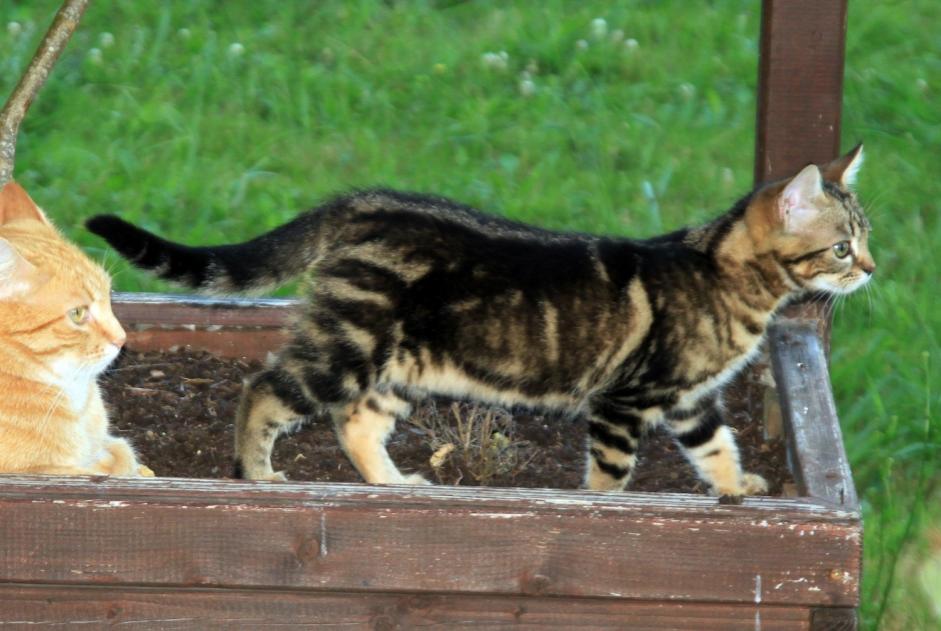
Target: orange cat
57,333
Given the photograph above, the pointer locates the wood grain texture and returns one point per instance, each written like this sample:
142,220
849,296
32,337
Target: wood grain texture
834,619
169,309
821,467
800,85
431,539
174,609
229,327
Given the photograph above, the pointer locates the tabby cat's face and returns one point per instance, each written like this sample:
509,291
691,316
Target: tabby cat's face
815,228
54,301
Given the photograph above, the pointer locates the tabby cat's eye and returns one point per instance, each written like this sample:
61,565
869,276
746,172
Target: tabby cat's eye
78,315
841,249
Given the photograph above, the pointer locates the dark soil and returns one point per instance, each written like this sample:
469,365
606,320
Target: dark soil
177,408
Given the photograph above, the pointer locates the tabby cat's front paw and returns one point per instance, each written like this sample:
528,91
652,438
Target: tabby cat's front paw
416,479
749,484
145,472
754,484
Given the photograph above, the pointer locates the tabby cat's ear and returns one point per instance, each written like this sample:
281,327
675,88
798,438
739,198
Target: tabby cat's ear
17,275
844,169
15,203
798,202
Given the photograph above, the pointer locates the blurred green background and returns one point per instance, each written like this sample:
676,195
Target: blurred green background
211,121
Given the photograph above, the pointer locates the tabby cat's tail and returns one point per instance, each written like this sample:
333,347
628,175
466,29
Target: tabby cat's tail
262,263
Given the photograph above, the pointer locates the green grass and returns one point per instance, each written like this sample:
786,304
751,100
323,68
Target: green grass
175,128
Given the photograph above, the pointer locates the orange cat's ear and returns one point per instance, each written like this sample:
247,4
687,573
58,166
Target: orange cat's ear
844,169
17,275
15,203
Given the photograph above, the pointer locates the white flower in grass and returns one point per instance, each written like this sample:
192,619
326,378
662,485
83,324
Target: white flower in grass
184,33
94,56
728,177
527,87
617,36
581,44
687,90
599,28
236,50
106,40
495,61
14,28
631,44
921,84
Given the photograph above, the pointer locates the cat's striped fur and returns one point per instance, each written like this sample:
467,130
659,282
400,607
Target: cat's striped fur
418,294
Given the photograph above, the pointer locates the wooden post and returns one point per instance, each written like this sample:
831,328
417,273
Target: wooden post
800,96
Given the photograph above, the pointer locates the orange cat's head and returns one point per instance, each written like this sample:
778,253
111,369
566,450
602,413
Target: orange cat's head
55,303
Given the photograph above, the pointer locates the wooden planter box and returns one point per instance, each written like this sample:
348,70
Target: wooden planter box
173,553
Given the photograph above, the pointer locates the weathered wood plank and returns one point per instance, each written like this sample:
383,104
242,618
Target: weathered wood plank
170,309
240,609
356,537
241,343
821,467
229,327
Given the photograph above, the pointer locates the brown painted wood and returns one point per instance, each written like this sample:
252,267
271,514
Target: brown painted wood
240,609
169,309
800,85
429,539
244,343
230,327
815,440
834,619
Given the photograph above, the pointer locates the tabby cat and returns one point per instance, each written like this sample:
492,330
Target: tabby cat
418,294
57,333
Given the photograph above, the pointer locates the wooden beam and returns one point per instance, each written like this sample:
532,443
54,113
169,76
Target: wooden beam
505,542
143,608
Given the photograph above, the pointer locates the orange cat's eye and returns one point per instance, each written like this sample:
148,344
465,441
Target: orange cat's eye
78,315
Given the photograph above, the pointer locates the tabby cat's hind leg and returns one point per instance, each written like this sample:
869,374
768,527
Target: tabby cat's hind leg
363,428
613,438
273,401
710,447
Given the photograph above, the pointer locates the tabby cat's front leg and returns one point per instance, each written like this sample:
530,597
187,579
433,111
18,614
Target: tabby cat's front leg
710,447
613,438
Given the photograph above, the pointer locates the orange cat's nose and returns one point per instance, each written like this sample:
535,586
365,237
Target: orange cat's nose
119,339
